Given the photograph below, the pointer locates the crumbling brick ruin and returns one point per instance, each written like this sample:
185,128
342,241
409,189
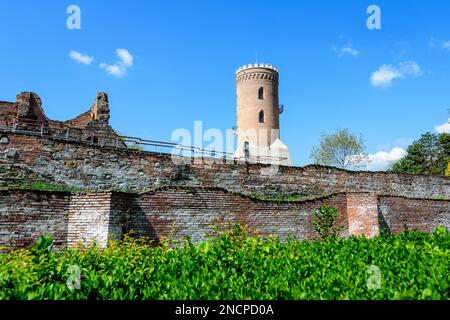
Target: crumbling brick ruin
109,189
27,114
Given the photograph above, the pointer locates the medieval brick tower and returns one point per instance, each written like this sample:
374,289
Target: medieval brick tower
258,111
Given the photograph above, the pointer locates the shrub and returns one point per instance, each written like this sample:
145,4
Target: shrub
324,222
235,264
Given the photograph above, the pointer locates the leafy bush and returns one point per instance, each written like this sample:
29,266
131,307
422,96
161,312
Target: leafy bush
324,222
234,264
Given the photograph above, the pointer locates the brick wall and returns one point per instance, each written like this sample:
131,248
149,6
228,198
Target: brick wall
362,212
8,112
421,214
177,212
90,219
25,215
180,212
170,212
25,158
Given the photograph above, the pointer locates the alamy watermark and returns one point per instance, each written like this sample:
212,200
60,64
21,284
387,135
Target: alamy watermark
74,280
374,20
73,22
215,146
374,279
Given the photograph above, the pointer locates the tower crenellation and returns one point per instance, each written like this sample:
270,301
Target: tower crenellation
257,65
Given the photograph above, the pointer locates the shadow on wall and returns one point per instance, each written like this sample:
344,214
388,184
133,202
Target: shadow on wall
129,218
382,221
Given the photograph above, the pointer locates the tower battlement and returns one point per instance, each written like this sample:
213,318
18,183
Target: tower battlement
256,65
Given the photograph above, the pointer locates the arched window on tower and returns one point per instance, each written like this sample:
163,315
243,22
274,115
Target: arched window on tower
261,93
261,116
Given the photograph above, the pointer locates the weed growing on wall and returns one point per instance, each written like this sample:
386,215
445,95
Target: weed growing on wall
324,222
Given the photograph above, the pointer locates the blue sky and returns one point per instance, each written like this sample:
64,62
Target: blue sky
179,60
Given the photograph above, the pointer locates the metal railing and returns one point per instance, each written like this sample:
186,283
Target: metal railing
86,136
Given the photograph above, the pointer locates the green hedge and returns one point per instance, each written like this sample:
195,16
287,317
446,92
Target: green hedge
235,265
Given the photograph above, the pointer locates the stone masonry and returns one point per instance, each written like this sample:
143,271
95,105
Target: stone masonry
26,158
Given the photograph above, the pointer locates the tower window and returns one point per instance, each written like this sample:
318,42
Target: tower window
246,149
261,116
261,93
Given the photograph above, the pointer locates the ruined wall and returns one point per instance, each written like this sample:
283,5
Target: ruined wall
28,115
8,112
27,158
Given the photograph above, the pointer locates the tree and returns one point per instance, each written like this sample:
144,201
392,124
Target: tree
341,149
428,155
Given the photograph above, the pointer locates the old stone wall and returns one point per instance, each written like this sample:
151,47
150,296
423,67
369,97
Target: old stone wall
26,158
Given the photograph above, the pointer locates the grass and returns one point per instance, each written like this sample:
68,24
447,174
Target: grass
45,186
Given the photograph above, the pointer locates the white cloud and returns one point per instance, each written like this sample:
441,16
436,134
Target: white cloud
125,56
440,44
113,69
382,160
81,57
400,143
350,51
386,74
346,50
119,69
410,68
385,158
446,45
443,128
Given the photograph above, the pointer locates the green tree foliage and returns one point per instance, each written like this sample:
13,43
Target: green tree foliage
428,155
234,264
341,149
